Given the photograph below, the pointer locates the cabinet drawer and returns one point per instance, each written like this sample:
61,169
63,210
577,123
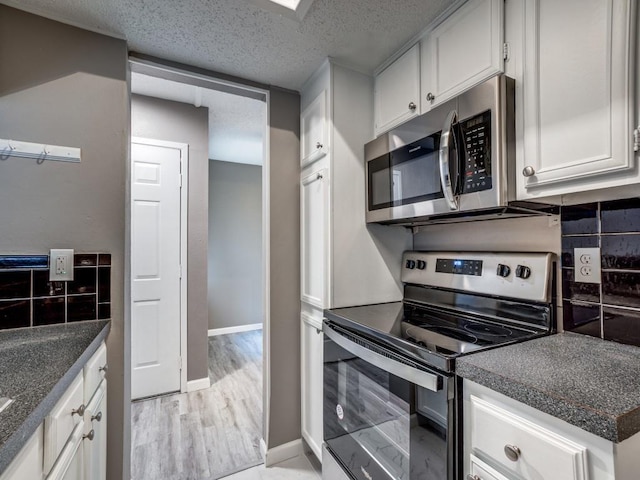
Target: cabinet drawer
536,452
482,471
62,420
94,371
28,463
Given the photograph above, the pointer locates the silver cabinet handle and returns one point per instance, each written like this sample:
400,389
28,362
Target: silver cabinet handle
318,145
79,411
318,330
446,138
430,97
90,436
512,452
412,106
528,171
473,477
103,368
97,417
319,176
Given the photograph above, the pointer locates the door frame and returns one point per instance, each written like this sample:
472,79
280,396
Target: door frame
184,196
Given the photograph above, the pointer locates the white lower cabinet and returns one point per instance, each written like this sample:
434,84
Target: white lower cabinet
95,442
71,443
69,465
311,382
28,463
507,440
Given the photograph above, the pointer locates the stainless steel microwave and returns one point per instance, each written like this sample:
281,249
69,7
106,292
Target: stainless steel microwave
458,158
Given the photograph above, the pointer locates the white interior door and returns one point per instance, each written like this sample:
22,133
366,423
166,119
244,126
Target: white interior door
155,267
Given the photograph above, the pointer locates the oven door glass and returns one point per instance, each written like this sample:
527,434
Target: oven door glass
409,174
380,426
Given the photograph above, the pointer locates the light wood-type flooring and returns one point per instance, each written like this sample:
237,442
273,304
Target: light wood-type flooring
207,434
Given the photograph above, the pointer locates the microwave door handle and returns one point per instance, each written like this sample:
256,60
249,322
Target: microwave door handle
446,139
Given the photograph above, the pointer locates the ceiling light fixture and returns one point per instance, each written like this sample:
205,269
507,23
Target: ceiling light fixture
295,9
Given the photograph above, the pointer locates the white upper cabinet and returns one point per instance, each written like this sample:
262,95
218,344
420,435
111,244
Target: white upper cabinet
313,128
397,91
462,51
577,96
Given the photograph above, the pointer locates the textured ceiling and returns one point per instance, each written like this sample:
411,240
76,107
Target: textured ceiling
236,124
239,38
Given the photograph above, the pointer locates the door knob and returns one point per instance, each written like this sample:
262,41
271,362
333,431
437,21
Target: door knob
97,417
90,436
412,106
430,97
79,411
318,145
473,477
528,171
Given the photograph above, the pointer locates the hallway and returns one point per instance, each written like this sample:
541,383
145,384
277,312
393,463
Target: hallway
207,434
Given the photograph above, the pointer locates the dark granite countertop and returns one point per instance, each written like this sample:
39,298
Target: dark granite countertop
37,365
591,383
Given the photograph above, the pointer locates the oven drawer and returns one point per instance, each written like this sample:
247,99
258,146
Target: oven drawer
522,447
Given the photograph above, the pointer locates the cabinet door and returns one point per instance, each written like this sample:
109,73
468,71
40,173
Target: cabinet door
62,420
576,95
462,51
397,91
95,444
311,382
28,463
94,371
69,465
314,229
313,128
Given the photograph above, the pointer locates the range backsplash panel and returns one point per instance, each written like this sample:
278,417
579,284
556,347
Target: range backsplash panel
28,298
610,310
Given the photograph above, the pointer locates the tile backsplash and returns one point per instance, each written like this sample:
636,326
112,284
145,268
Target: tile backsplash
28,298
610,310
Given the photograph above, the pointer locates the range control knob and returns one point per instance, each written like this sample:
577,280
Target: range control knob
523,271
411,264
503,270
421,264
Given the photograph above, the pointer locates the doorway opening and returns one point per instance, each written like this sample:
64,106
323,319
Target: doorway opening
212,425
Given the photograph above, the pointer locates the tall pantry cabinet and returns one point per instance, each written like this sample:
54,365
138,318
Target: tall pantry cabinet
344,262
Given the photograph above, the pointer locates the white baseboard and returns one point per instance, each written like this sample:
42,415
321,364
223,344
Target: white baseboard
242,328
199,384
282,452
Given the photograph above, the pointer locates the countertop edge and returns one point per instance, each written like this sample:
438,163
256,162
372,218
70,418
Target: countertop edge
15,442
610,428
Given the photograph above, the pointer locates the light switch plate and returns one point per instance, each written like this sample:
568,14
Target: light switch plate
60,264
587,265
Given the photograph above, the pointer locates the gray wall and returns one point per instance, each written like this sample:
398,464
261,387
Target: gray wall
283,368
179,122
235,244
66,86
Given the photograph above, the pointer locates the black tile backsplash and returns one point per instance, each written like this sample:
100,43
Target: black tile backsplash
15,313
579,219
582,318
81,307
621,216
47,311
621,252
15,284
85,280
28,298
621,325
569,243
621,288
586,292
42,287
609,310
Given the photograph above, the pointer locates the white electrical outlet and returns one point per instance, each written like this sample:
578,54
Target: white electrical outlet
587,265
60,264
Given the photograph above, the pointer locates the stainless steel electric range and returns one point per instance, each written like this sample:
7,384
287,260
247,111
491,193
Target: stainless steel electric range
391,398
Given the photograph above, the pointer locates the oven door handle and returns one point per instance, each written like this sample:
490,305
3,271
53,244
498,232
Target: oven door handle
446,138
411,374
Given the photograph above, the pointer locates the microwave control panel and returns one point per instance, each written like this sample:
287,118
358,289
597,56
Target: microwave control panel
476,139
